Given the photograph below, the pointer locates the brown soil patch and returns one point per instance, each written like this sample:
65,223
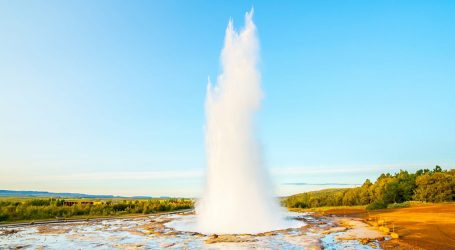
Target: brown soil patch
356,229
351,212
131,246
418,227
231,238
46,229
423,227
8,232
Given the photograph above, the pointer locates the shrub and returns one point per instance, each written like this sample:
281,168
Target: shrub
39,202
120,207
399,205
376,205
3,217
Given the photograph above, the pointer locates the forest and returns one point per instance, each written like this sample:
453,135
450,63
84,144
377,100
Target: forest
389,190
26,209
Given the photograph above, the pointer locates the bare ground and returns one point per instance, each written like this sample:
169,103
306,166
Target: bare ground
418,227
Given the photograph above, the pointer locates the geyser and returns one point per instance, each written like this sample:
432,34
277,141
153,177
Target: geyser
238,197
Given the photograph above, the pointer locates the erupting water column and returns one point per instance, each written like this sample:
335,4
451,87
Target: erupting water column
237,198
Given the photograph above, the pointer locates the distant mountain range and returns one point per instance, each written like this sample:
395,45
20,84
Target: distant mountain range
12,193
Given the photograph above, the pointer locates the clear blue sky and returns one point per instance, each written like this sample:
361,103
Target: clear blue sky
107,96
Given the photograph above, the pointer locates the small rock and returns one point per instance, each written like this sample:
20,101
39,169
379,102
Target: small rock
167,244
364,241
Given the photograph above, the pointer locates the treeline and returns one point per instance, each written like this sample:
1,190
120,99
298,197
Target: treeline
424,185
52,208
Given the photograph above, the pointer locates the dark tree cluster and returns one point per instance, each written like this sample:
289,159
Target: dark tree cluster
424,185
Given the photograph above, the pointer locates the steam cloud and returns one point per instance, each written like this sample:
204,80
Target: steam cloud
238,196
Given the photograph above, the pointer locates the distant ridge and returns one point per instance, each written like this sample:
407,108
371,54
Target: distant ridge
12,193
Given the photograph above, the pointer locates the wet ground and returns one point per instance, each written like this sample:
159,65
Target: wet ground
157,232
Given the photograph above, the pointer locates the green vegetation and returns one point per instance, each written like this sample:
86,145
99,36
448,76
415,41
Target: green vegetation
388,190
26,209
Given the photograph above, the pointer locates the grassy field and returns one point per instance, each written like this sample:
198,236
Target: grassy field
26,209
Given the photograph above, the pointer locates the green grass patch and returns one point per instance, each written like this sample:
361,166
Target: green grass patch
27,209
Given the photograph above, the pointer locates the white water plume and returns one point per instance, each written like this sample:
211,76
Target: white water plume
238,197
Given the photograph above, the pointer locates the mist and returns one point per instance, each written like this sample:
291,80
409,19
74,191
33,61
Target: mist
238,196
